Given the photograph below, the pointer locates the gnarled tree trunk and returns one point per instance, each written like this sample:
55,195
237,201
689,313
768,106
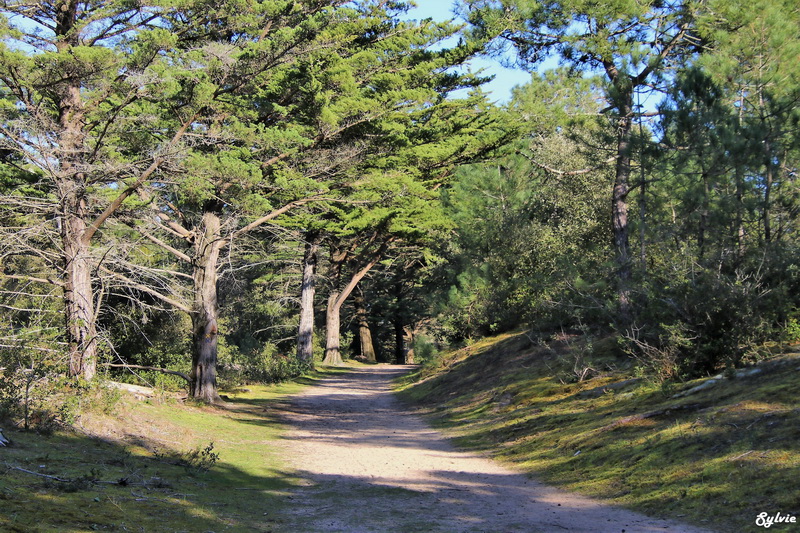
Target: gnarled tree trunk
333,354
205,331
305,333
364,333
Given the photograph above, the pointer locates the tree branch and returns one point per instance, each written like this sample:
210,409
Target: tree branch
571,172
174,251
358,276
272,215
117,202
153,368
148,290
32,278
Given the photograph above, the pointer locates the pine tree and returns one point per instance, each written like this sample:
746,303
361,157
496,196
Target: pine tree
630,43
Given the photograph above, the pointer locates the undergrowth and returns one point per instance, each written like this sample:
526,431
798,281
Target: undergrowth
574,412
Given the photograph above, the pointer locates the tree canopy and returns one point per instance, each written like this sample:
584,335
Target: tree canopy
185,186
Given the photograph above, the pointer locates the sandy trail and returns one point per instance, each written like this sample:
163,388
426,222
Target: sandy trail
372,466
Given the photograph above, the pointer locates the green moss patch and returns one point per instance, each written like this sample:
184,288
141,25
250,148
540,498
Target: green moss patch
716,457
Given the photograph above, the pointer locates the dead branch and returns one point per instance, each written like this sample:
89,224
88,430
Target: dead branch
572,172
146,289
121,481
35,279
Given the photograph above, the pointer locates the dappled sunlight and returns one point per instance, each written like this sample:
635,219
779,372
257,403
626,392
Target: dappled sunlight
640,444
354,441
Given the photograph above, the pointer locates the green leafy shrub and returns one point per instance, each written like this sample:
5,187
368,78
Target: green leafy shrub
792,331
425,349
267,365
699,321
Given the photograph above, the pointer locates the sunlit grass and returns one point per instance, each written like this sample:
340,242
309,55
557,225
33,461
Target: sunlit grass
135,471
717,458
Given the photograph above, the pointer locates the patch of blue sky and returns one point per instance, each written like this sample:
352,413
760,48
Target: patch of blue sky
504,78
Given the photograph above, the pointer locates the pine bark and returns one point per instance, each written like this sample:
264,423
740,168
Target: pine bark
333,354
79,312
305,333
203,385
364,333
80,315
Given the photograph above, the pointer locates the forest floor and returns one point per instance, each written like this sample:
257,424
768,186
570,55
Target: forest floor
371,465
575,412
339,451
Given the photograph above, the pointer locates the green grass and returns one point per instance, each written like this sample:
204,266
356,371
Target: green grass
716,458
157,449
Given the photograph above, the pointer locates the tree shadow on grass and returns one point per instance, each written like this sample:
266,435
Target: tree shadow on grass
73,482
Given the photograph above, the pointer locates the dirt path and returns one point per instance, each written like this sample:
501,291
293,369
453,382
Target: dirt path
373,467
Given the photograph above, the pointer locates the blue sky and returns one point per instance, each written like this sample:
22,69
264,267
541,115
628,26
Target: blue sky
505,78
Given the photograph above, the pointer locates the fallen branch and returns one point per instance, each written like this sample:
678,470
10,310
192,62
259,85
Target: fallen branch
121,481
48,476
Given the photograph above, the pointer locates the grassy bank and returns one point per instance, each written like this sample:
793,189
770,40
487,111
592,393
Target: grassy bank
572,413
152,466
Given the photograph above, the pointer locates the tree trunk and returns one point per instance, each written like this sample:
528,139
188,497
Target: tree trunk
704,213
768,181
333,355
80,315
619,205
79,312
364,333
203,384
409,331
739,173
305,333
399,343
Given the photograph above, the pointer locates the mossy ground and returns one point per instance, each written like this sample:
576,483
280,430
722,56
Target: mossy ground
717,457
149,468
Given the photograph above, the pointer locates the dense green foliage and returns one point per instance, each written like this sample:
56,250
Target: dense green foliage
704,274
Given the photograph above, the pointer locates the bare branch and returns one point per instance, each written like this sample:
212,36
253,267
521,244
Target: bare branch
34,279
148,290
571,172
274,214
174,251
117,202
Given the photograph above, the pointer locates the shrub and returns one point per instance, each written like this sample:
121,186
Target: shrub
702,320
425,349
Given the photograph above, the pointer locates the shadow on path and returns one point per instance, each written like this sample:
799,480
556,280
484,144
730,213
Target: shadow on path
370,466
